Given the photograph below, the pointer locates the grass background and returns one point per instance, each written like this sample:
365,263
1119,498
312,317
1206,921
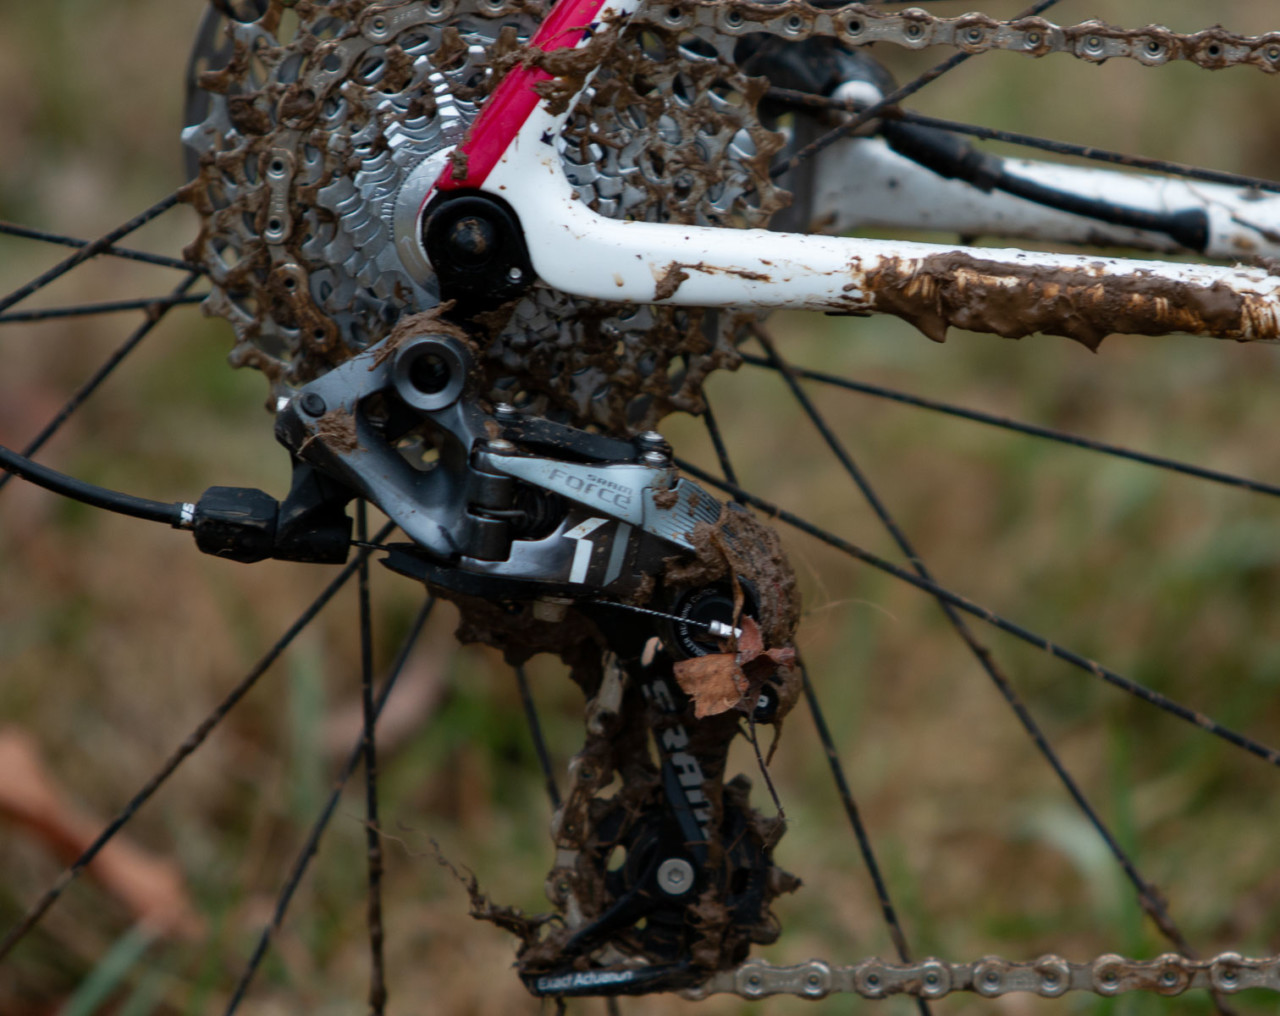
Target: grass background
116,637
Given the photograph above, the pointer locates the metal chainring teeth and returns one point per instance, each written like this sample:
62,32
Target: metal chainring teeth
325,129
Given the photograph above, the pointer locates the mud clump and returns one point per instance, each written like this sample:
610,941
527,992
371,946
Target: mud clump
1086,304
738,544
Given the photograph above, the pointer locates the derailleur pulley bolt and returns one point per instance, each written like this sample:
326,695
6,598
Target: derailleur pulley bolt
506,412
313,404
766,705
675,876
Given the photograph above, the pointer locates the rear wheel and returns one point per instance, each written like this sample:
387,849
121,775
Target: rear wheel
960,861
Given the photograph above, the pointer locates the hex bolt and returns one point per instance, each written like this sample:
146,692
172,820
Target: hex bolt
500,446
471,240
652,439
515,274
656,459
313,404
429,374
675,876
506,412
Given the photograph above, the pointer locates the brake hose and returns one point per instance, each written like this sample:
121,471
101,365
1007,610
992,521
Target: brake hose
950,157
179,514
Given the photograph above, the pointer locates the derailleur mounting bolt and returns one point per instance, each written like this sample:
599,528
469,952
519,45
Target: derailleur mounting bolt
472,240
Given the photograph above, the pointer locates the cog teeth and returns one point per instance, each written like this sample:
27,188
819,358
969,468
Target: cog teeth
359,166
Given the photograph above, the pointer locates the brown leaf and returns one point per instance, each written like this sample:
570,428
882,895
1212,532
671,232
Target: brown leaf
152,887
750,642
715,682
719,682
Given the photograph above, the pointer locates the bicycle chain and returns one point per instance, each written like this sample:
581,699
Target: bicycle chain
860,25
1050,977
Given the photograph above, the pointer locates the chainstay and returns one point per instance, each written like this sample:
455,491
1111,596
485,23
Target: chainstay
860,25
1050,976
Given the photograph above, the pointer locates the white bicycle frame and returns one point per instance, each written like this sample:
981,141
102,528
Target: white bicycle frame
512,152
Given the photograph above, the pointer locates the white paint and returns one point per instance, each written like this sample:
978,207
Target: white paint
582,552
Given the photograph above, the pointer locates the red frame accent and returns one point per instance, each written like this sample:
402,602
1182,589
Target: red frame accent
511,103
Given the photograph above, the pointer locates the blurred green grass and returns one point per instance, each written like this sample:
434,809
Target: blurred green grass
116,638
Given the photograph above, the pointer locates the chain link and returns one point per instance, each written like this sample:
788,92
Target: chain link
860,25
1049,977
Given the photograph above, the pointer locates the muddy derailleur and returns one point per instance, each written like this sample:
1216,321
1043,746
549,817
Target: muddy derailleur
554,538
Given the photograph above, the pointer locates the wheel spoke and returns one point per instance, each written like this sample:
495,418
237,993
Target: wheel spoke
312,842
535,732
89,309
881,888
98,246
717,440
1034,430
146,257
1091,153
373,835
815,101
1149,896
887,909
197,737
847,128
1134,688
155,314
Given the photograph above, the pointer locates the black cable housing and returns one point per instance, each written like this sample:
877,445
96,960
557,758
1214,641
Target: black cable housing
90,494
950,157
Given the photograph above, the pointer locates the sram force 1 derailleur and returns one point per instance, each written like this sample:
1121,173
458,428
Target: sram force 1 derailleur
676,613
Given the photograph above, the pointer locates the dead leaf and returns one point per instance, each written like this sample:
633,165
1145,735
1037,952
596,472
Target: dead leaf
152,887
715,682
719,682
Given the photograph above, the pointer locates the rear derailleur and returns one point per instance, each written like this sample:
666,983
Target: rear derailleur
675,612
